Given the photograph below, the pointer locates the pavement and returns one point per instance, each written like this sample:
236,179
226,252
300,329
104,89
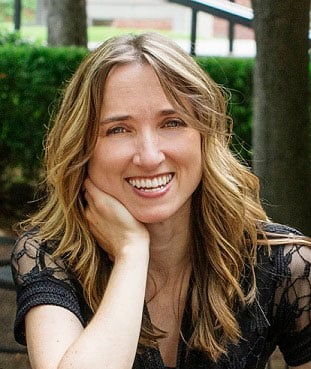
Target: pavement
220,47
212,47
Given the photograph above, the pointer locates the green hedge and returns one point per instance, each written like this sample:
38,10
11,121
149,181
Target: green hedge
236,76
32,77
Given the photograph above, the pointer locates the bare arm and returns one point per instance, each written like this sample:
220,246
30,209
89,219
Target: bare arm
56,338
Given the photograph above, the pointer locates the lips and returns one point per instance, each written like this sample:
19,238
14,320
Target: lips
152,184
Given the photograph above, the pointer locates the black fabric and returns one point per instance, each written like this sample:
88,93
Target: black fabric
280,315
41,281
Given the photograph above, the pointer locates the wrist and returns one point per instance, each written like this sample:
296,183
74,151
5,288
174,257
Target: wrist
133,253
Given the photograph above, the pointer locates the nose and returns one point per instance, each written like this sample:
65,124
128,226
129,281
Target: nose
148,153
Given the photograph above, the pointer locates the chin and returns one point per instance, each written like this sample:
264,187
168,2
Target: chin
153,218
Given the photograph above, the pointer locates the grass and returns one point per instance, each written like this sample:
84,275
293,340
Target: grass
95,33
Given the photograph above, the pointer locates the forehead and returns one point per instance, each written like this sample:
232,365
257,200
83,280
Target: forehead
135,88
126,74
133,85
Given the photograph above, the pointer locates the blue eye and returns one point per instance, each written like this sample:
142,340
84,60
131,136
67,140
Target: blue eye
115,130
174,123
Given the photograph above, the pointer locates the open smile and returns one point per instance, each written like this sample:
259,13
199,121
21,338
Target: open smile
151,184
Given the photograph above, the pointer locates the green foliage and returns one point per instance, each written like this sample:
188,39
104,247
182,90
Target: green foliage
235,76
31,79
7,8
30,4
12,38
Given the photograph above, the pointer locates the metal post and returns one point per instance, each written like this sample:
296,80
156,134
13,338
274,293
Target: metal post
193,31
231,33
17,14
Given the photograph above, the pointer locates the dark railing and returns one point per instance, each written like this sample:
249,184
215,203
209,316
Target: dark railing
233,13
220,8
228,10
17,14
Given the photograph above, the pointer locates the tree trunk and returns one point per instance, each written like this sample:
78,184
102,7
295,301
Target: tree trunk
67,23
281,132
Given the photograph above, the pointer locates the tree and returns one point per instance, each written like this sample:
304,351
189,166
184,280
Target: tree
281,132
67,22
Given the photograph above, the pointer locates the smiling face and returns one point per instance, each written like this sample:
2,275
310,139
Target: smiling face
145,156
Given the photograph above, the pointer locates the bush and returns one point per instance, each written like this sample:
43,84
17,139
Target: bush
7,10
31,80
12,38
236,76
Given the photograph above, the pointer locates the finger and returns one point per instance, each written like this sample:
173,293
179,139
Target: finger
93,194
87,197
99,199
91,188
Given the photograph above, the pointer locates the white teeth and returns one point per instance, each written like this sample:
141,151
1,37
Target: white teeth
151,185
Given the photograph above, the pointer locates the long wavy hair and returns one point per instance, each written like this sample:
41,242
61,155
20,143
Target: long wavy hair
226,209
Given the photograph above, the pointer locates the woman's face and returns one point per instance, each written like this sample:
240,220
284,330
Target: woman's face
146,156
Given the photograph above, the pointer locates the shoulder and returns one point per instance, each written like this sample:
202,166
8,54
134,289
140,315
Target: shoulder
288,244
42,279
289,253
278,229
32,258
29,243
277,239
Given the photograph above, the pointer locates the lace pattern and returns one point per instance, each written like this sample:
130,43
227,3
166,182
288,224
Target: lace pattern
281,314
32,259
41,280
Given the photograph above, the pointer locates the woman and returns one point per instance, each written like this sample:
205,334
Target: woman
152,249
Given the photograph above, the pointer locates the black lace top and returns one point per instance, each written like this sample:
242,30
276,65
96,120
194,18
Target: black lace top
281,314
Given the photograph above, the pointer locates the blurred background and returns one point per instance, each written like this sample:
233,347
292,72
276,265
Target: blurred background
104,17
257,50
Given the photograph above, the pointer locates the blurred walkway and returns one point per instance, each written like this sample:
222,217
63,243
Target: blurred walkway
213,47
220,47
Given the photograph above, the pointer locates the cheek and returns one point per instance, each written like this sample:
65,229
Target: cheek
98,166
195,157
106,166
189,149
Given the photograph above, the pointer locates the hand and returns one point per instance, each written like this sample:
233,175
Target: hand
113,226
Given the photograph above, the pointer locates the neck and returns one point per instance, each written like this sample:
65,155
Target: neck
169,244
169,263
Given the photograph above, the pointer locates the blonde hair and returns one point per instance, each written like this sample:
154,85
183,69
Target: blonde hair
225,207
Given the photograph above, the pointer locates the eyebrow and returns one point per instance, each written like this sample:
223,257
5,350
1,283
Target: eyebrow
120,118
116,118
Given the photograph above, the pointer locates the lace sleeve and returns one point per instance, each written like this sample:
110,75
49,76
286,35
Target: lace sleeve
40,280
293,304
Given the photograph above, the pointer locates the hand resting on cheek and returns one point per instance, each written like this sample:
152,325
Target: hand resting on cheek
112,225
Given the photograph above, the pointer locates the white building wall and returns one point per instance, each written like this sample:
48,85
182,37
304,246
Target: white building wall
178,16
